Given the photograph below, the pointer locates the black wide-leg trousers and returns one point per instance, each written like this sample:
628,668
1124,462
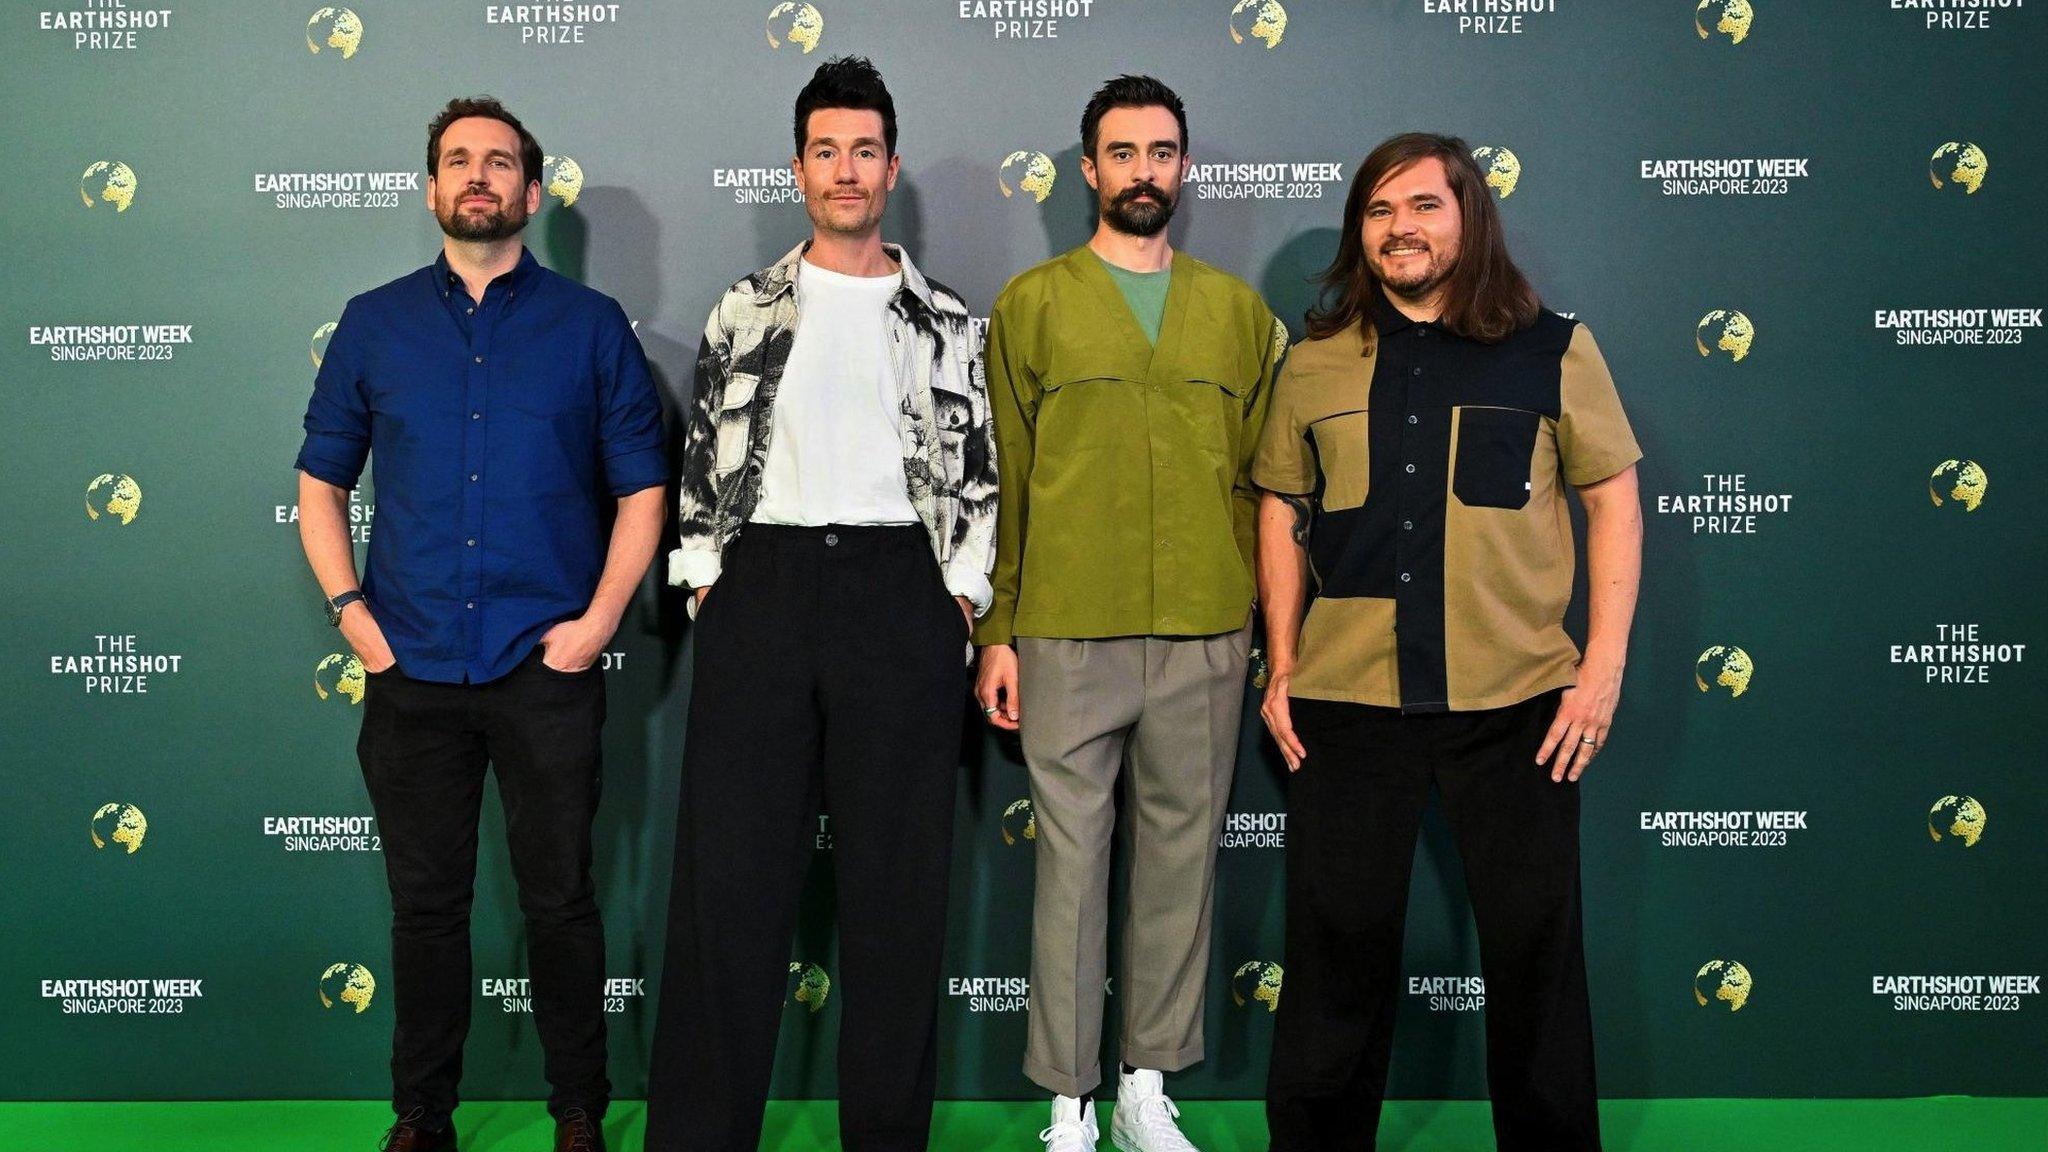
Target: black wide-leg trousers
1354,810
829,665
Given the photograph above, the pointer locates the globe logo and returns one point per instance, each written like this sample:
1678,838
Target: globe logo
347,983
1957,819
1037,174
1019,822
1721,982
1257,981
339,675
1263,20
319,346
1724,330
812,986
1958,481
119,824
334,28
1730,18
1958,164
563,178
799,23
1723,666
114,497
107,181
1503,169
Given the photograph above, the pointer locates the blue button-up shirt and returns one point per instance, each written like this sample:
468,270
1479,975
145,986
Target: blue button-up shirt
502,431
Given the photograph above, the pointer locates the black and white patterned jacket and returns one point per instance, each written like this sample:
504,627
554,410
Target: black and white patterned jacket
949,450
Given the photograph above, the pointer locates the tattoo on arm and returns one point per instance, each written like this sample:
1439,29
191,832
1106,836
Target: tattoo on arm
1304,517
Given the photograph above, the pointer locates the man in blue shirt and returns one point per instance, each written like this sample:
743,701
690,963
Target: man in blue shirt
512,415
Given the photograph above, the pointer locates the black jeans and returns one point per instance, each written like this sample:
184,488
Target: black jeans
424,749
830,664
1353,812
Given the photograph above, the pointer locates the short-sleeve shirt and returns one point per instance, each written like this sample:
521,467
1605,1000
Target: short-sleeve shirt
1442,546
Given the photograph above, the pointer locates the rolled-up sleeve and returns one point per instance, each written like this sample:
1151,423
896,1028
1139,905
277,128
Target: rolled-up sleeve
338,417
630,431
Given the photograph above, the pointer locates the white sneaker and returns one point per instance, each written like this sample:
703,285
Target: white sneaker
1144,1118
1073,1126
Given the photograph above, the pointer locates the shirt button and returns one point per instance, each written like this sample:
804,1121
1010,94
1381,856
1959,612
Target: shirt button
1411,420
480,360
1404,578
1407,525
476,415
1411,467
469,311
831,539
472,477
471,604
1417,371
471,543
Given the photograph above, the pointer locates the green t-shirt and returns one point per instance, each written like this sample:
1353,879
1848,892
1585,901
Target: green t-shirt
1145,292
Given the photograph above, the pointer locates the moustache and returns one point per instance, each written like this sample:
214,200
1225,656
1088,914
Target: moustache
1131,194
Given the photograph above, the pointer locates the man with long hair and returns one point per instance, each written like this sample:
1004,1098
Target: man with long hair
1415,468
1129,381
837,523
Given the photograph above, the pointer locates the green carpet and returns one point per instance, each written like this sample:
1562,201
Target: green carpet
1938,1124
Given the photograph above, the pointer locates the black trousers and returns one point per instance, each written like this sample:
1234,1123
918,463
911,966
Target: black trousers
424,749
1353,812
829,666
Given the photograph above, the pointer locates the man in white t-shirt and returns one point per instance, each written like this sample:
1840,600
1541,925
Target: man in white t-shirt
837,523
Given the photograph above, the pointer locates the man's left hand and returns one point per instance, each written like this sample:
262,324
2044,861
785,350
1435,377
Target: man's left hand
1584,715
574,645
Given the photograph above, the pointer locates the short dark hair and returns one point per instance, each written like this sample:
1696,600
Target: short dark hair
1129,92
845,82
1486,297
463,107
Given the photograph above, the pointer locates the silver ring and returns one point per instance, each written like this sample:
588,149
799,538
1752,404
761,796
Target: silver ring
1589,740
988,711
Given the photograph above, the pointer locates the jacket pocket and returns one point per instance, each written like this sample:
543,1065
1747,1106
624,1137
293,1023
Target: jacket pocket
1495,448
734,420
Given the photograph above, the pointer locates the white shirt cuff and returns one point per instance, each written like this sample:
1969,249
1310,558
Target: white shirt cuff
693,569
963,579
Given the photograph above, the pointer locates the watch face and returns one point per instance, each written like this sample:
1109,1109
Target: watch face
333,614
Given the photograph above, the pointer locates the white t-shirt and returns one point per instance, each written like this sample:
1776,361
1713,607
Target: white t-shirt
835,453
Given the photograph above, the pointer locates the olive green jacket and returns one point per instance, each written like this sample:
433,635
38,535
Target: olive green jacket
1127,507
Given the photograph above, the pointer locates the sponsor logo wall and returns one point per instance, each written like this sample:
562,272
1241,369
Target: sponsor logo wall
1808,242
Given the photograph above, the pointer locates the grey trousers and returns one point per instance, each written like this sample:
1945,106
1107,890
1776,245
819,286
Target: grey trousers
1172,706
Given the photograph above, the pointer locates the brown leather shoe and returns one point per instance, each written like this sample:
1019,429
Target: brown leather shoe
578,1131
408,1136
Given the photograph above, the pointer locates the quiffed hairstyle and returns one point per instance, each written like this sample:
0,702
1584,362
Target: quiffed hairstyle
530,157
1486,297
845,82
1129,92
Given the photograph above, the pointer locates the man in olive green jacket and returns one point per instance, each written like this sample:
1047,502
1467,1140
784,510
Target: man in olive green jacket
1128,384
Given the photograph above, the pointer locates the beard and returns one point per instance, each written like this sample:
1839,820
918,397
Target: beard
1126,215
501,223
1418,282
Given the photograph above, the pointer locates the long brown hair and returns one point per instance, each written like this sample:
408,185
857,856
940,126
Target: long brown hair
1486,296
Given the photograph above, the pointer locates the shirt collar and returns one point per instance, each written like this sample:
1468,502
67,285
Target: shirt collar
519,279
1387,319
780,277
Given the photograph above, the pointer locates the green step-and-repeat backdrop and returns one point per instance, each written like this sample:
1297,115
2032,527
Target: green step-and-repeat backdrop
1808,235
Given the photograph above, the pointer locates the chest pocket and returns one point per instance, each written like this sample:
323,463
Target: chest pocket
1344,455
1495,450
733,424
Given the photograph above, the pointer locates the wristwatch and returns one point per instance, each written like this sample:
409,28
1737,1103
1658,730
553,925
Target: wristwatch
335,605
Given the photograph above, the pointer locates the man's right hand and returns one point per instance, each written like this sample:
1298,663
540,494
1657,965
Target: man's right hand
360,629
995,686
1280,722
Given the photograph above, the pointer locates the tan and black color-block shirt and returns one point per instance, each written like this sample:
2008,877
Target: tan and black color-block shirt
1442,544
